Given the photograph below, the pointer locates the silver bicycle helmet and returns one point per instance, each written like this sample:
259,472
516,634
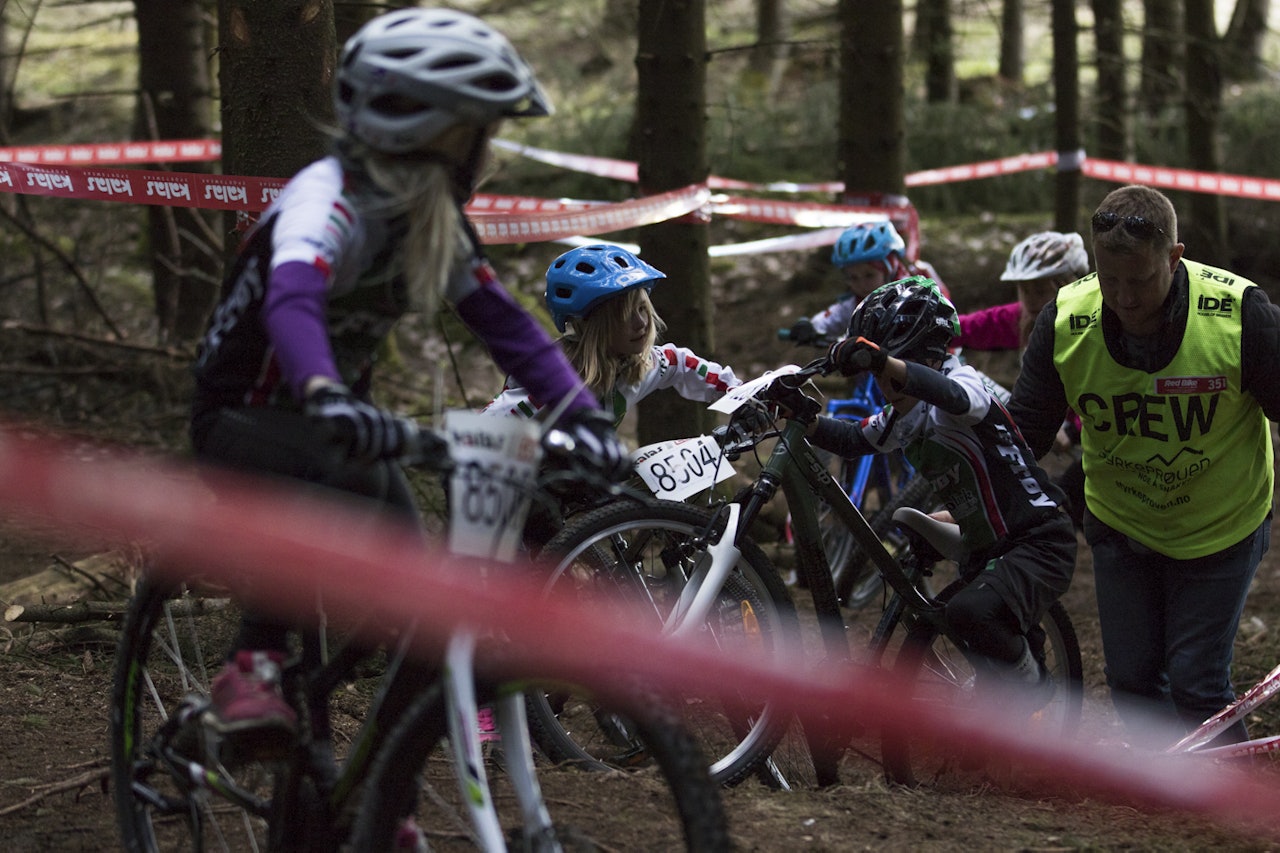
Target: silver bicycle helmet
407,76
1048,254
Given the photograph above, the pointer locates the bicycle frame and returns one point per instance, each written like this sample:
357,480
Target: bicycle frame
867,400
487,522
794,466
460,692
1224,719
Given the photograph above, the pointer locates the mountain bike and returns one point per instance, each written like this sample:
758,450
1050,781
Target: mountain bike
878,484
911,637
367,717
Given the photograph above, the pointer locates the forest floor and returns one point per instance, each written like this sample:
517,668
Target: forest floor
54,682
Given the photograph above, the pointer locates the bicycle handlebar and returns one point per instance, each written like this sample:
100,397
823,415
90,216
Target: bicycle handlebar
819,342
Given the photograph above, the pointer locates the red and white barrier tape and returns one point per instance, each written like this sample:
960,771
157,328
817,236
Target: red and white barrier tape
111,153
193,150
294,541
518,219
497,219
1240,186
625,170
601,219
137,186
986,169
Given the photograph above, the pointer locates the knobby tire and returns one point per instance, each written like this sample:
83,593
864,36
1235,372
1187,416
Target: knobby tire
755,611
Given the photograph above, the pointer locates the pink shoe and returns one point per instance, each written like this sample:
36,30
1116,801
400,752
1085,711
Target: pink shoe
247,705
487,726
409,836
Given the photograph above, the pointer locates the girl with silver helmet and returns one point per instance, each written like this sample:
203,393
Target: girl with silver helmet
1037,267
354,241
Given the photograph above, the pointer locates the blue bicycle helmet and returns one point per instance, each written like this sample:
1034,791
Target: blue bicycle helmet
582,278
908,319
867,242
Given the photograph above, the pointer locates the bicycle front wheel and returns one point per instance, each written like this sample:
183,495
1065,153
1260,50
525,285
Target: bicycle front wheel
670,794
640,557
170,792
941,675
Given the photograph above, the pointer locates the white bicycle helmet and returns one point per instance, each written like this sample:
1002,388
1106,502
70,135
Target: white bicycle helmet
1048,254
407,76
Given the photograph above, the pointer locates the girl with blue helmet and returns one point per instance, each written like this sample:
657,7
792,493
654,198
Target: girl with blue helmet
870,254
598,296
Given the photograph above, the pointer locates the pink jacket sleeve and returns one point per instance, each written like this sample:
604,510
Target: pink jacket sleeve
993,328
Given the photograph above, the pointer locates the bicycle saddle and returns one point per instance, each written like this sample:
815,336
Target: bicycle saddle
942,536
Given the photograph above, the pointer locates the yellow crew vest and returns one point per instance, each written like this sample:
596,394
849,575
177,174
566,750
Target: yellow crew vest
1180,459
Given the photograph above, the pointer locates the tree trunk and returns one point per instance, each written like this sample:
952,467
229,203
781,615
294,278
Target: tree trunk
7,65
1161,81
1012,59
175,102
1243,41
871,155
1206,232
1066,87
765,60
671,58
935,43
276,72
1112,114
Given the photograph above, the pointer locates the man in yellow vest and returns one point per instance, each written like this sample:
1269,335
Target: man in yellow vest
1169,365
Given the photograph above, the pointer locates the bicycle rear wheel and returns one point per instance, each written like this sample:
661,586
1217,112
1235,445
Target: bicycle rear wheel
940,674
170,792
671,794
639,557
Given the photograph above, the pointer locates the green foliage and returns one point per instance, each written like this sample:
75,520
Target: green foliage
951,134
1250,127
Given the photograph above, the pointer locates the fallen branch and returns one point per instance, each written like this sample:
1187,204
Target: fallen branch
98,775
91,611
67,614
48,331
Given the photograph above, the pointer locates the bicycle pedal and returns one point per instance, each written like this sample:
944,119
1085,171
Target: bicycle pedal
241,744
184,732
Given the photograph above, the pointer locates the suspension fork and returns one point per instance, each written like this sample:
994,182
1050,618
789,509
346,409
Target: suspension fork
718,559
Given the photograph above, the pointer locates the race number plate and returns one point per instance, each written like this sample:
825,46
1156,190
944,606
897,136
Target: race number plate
495,467
740,394
675,470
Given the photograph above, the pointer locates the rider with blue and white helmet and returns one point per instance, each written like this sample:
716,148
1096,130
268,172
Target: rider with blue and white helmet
870,254
598,295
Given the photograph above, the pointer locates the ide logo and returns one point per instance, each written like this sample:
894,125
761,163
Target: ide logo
1212,304
1080,322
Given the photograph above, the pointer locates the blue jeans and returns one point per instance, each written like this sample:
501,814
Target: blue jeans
1167,630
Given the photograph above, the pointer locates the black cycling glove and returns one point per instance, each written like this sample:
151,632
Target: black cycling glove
597,444
855,355
368,432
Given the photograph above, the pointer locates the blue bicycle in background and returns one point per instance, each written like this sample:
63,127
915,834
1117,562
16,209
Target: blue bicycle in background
878,484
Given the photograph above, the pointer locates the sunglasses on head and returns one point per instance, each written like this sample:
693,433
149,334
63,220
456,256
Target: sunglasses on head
1137,226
